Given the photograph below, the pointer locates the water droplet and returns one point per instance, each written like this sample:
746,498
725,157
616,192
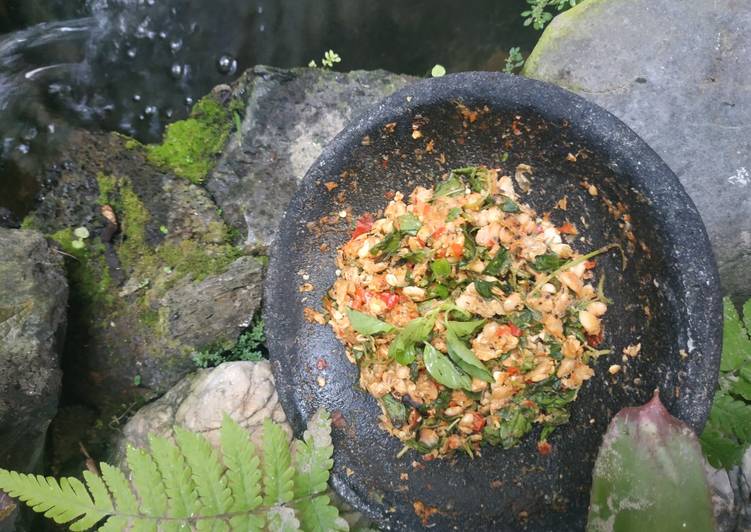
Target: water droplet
175,45
262,28
150,110
51,128
168,113
162,35
23,148
176,71
188,101
131,52
141,117
226,64
136,97
150,2
260,10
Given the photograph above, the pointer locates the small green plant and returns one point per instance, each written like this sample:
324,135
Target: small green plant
249,346
538,15
727,434
437,71
514,61
327,62
192,485
80,234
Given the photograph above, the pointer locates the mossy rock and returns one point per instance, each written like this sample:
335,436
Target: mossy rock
157,278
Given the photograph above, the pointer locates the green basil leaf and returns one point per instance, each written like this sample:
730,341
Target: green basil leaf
403,348
389,245
440,291
470,248
441,268
548,262
478,181
450,187
463,355
484,288
395,410
509,206
462,329
409,224
416,257
453,214
443,371
366,324
498,264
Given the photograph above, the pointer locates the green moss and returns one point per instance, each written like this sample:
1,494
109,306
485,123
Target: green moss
190,146
29,222
132,144
107,185
133,220
88,271
193,259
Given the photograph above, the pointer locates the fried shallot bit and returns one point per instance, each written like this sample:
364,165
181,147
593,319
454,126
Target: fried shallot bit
469,317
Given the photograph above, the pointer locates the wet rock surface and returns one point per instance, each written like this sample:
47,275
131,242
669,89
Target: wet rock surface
677,74
33,299
157,279
290,115
243,390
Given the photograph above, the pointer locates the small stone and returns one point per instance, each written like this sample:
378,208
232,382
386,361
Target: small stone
615,368
592,190
342,214
321,381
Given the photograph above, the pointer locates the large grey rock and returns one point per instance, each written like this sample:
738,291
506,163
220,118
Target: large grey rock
243,390
679,74
33,299
289,117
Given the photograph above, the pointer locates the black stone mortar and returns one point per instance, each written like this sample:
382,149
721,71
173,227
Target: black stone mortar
667,297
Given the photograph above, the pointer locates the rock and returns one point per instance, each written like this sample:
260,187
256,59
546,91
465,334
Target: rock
678,74
33,299
243,390
290,115
8,219
723,498
158,279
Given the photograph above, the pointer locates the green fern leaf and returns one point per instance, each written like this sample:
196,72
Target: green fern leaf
282,519
212,525
732,417
63,502
742,386
177,476
720,450
318,515
243,472
277,468
98,491
736,346
114,524
247,522
147,481
312,456
125,500
208,475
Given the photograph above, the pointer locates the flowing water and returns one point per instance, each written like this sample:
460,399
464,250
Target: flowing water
135,65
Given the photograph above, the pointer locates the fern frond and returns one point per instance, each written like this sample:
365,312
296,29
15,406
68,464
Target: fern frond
731,417
247,523
207,471
277,465
243,472
63,502
282,519
125,500
212,525
176,475
115,524
312,456
319,515
147,481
